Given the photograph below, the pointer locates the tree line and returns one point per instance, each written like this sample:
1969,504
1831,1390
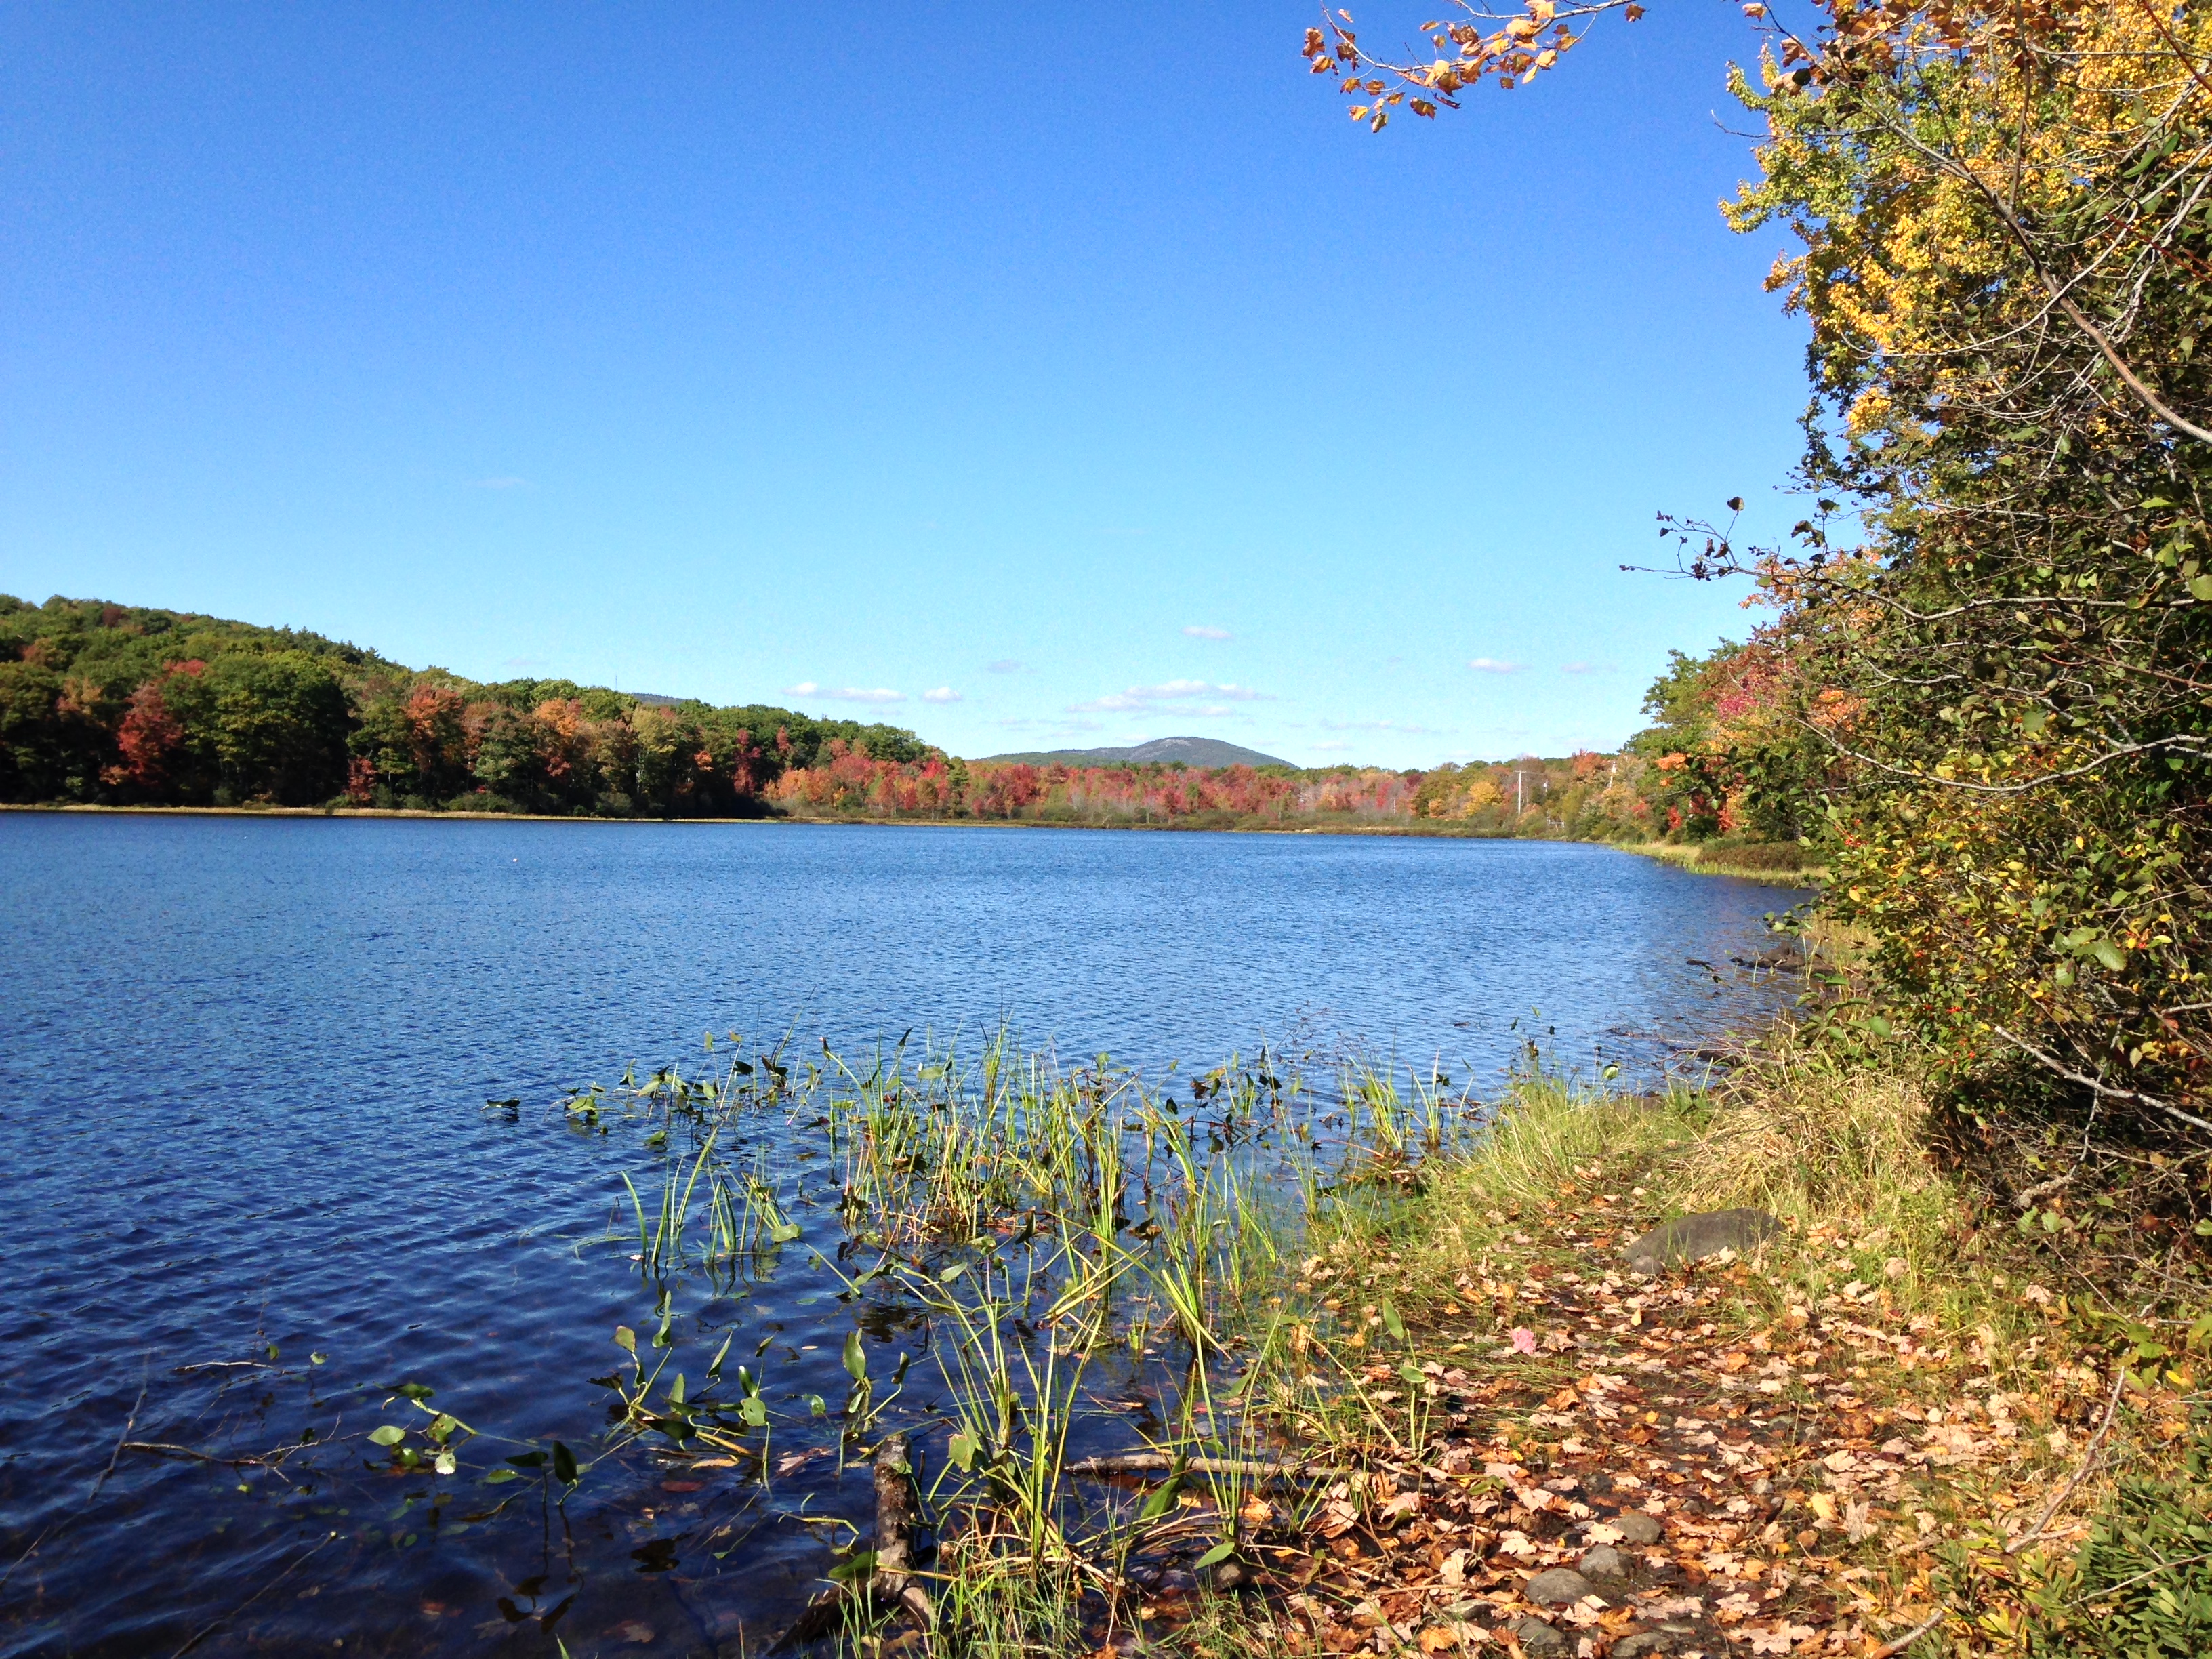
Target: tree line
124,705
116,704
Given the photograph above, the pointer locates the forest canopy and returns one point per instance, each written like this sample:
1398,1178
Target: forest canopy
128,705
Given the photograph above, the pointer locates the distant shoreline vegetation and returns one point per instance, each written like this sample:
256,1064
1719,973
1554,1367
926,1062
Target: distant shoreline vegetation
110,705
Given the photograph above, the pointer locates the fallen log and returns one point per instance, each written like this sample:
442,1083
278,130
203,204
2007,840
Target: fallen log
891,1580
898,1517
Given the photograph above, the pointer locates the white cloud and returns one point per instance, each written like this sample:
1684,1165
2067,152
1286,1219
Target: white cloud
1332,745
1202,633
1024,723
1404,728
1006,666
943,694
1492,665
1150,697
845,693
1586,668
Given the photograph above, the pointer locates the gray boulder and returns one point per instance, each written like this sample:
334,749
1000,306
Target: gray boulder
1604,1562
1560,1587
1644,1644
1693,1238
1636,1527
1540,1640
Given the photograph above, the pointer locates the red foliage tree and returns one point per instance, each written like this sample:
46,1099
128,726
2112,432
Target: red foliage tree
148,735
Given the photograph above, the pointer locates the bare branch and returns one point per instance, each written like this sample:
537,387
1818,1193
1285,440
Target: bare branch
2051,1062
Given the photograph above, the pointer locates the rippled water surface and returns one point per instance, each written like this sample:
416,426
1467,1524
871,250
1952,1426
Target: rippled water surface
253,1186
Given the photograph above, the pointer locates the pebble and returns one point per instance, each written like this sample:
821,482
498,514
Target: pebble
1636,1527
1604,1562
1560,1587
1694,1238
1539,1640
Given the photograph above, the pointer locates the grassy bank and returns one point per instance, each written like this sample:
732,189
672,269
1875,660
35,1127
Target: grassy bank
1431,1378
1783,865
1898,1410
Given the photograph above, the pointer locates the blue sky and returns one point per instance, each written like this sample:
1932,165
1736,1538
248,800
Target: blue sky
1076,377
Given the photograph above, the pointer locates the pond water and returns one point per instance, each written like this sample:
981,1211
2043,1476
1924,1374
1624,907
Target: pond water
256,1187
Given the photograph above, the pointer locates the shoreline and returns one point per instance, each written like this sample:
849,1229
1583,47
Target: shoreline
1686,859
1410,831
1679,857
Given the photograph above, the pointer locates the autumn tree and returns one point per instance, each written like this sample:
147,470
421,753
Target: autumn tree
1995,616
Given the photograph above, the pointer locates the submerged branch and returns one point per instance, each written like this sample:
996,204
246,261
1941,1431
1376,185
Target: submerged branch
1161,1464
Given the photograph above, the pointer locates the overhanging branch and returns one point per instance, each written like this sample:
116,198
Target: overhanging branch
2051,1062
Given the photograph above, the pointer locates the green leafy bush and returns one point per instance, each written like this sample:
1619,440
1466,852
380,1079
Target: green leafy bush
2142,1585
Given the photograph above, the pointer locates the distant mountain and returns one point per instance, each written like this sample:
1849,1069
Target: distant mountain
1160,752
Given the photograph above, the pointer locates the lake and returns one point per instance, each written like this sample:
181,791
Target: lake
246,1063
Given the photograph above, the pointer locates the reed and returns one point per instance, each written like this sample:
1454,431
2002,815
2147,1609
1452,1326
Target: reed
1785,865
1040,1219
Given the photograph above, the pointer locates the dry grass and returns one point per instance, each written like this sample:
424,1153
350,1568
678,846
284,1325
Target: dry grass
1837,1151
1712,861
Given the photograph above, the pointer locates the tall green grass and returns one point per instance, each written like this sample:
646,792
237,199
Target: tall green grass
1042,1218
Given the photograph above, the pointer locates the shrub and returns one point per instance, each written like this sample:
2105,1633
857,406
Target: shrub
2142,1585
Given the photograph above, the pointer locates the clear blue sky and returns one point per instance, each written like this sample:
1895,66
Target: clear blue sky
1085,367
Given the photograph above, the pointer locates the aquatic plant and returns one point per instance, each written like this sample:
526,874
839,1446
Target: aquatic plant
1038,1220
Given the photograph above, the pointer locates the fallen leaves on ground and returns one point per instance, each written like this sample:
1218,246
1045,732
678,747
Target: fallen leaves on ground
1793,1464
